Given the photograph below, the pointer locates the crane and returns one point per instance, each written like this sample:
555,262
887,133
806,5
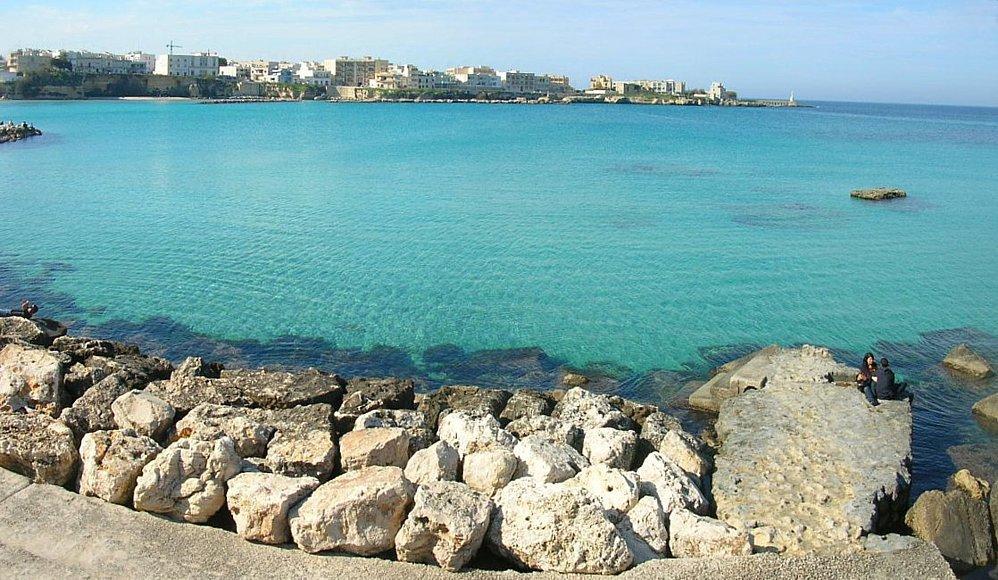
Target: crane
172,46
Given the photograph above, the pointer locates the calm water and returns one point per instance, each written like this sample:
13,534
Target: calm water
496,243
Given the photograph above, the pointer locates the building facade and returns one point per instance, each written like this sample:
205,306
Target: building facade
355,72
29,60
142,63
187,65
476,77
103,63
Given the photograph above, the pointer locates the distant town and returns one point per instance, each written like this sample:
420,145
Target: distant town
70,74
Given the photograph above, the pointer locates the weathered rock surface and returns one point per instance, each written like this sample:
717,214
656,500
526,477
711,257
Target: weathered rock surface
657,426
645,528
283,390
557,528
965,481
550,428
687,452
38,331
693,536
615,489
806,465
665,480
144,412
987,409
527,403
187,480
260,502
547,461
446,526
111,462
30,377
92,411
79,378
137,371
208,422
489,470
304,440
364,395
611,447
420,434
963,359
590,411
720,388
81,348
469,433
37,446
473,400
957,524
375,446
359,512
438,462
878,193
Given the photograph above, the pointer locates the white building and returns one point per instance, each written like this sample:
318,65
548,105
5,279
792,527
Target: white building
476,77
355,72
235,70
313,73
187,65
142,62
103,63
716,91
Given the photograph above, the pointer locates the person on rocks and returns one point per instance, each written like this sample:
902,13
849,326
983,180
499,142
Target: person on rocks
867,374
886,387
27,310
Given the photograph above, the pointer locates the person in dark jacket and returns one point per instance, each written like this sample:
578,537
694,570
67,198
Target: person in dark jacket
886,387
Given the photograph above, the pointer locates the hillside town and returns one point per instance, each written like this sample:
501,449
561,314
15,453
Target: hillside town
72,74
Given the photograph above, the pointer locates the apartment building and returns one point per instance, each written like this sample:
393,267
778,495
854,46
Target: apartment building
187,65
103,63
355,72
142,62
476,77
29,60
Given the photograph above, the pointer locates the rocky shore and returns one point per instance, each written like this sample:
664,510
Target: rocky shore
11,131
567,481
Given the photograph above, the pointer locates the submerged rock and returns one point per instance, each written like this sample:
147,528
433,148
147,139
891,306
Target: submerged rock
446,526
878,193
111,462
987,409
260,502
37,446
963,359
957,524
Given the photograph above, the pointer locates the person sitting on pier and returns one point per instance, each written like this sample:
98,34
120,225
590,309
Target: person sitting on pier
886,387
867,372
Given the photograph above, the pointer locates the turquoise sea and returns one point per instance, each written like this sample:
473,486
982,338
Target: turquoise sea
496,244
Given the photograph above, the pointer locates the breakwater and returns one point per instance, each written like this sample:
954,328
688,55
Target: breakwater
11,131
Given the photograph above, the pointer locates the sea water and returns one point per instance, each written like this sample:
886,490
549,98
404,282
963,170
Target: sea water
499,243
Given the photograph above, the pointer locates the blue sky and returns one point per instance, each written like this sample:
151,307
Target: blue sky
915,51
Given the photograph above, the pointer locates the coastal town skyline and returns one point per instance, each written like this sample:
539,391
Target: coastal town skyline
934,55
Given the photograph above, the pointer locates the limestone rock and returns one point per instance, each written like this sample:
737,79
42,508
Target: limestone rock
80,378
547,461
489,470
527,403
703,398
92,411
24,329
693,536
570,380
136,371
646,531
687,452
657,426
469,433
438,462
550,428
590,411
615,489
878,193
32,377
80,348
987,409
662,478
975,487
446,526
957,524
144,412
284,390
359,512
37,446
963,359
111,462
187,480
260,502
636,412
993,508
185,392
890,543
809,364
420,434
473,400
376,446
556,528
611,447
304,440
363,395
208,422
195,366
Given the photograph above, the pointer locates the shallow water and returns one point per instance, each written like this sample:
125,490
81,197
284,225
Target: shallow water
495,244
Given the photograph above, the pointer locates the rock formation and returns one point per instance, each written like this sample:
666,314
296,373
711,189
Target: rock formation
878,193
964,360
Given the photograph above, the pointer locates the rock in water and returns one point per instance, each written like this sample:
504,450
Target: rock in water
111,462
359,512
37,446
878,193
814,457
963,359
554,527
445,527
987,409
32,377
187,480
693,536
957,524
260,502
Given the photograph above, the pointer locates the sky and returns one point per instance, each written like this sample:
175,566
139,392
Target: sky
941,52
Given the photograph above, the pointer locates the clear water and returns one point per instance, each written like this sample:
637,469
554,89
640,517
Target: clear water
497,243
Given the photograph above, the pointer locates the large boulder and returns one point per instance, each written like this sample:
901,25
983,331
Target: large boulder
260,502
359,512
878,193
687,452
446,526
963,359
438,462
615,489
376,446
208,422
284,390
527,403
975,487
550,428
304,440
656,427
694,536
81,348
137,371
645,528
144,412
987,409
30,377
468,433
611,447
186,481
364,395
38,331
957,524
554,527
590,411
37,446
547,461
92,411
665,480
473,400
812,456
489,470
420,434
111,462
